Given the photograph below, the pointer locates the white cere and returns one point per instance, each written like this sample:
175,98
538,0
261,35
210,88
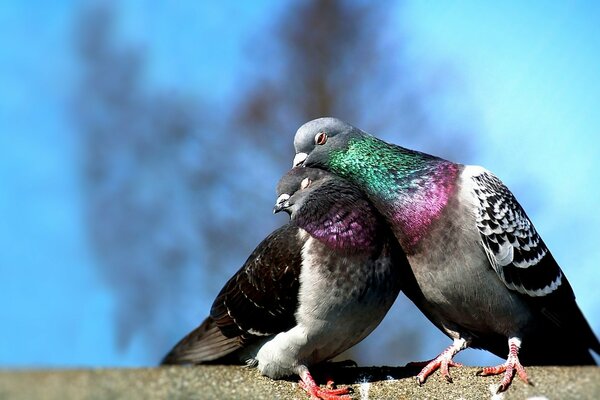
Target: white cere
305,183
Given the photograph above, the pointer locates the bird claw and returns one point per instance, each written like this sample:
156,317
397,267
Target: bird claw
509,368
443,362
309,385
315,392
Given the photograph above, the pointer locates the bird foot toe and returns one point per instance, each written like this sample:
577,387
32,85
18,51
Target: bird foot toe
328,393
443,362
509,368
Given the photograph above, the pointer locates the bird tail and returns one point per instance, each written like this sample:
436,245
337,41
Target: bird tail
589,336
566,344
581,338
204,344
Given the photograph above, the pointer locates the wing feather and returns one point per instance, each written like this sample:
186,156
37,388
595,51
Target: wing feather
259,300
513,246
262,297
523,262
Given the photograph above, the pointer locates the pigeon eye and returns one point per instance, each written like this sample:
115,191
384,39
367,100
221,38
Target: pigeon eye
321,138
305,183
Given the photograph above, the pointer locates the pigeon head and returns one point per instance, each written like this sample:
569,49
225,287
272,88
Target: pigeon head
317,139
408,187
329,208
295,187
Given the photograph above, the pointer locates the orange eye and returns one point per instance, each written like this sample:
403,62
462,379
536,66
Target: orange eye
305,183
321,138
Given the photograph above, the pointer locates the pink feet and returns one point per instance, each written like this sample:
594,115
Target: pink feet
511,365
443,362
315,392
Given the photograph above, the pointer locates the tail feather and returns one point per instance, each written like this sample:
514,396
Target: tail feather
563,338
581,340
555,354
204,344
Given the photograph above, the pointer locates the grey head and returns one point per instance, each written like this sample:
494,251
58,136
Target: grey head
296,186
330,209
315,140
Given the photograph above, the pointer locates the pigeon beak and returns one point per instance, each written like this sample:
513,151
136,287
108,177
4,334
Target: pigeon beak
282,203
299,159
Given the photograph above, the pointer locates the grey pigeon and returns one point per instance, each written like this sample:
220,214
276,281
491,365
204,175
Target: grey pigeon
484,276
312,289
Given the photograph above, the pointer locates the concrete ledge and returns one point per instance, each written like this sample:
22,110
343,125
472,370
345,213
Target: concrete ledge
233,382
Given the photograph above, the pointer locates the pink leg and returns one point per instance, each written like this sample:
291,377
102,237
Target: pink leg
443,362
315,392
511,365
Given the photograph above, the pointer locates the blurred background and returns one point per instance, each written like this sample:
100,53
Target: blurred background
140,144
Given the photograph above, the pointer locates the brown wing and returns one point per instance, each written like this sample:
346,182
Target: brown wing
262,297
259,300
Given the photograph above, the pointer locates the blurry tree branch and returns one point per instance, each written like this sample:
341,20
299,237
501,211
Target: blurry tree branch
154,173
340,58
177,198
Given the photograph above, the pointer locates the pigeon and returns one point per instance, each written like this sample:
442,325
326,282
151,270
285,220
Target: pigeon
483,274
312,289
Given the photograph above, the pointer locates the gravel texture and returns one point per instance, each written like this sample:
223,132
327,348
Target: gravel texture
234,382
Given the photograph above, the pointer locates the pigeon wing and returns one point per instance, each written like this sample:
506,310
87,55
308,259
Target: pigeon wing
524,264
262,297
513,246
259,300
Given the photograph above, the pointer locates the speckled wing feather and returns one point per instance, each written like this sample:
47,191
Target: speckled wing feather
524,264
262,297
514,248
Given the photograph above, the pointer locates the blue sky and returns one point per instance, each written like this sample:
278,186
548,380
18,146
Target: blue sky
532,74
529,73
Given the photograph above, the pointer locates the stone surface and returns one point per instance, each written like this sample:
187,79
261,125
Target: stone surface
234,382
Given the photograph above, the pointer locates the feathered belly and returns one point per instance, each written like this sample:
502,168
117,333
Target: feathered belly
342,299
462,293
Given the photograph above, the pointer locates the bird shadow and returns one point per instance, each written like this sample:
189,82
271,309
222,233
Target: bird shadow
343,373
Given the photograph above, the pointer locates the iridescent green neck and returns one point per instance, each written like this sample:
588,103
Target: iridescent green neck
409,188
380,166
